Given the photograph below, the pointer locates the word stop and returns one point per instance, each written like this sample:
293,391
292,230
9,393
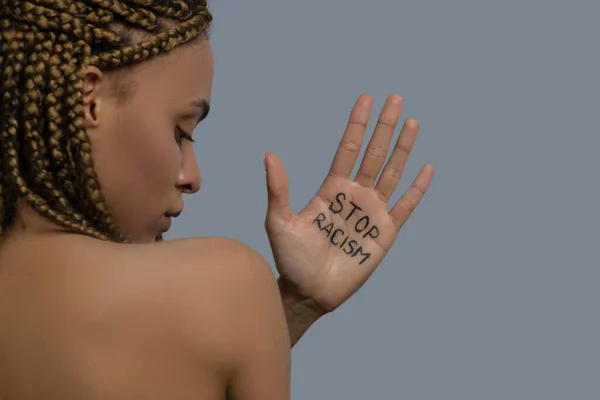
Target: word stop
342,239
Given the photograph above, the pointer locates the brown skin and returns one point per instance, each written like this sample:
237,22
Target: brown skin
143,166
184,319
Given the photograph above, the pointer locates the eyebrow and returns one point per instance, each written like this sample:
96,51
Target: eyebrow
204,108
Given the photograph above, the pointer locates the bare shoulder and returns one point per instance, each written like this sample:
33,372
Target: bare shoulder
156,280
204,289
207,307
213,277
222,301
241,327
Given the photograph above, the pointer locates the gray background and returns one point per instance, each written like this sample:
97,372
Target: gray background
491,291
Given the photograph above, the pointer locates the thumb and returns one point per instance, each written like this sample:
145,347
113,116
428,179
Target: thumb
277,188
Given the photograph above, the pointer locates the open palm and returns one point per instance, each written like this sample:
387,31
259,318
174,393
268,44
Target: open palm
326,252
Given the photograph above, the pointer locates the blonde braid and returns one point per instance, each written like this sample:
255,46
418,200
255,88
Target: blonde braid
35,82
55,103
9,134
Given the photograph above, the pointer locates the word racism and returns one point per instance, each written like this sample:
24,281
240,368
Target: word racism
338,237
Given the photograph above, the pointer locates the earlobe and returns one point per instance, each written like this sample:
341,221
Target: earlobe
92,111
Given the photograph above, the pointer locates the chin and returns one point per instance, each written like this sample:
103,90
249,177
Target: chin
144,238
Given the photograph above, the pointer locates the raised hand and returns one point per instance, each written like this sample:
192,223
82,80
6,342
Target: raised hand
327,251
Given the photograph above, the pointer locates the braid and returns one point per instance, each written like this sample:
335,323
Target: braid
45,46
55,103
78,9
162,42
49,19
9,133
38,174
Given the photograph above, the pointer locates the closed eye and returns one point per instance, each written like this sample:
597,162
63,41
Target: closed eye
180,136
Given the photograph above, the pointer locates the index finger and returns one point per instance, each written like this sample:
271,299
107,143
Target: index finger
349,147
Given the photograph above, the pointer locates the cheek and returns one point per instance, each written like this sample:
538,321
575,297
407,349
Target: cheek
157,166
138,165
155,156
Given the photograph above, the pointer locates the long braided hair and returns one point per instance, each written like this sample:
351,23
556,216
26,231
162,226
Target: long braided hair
45,46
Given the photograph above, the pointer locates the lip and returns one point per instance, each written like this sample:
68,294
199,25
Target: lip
174,214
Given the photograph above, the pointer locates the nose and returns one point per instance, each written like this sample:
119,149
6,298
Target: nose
189,180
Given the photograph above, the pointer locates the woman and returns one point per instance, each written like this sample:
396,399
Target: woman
99,99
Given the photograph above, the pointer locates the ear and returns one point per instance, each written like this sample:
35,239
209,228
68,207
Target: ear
94,88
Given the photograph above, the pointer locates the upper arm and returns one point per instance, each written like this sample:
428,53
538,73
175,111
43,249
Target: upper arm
234,316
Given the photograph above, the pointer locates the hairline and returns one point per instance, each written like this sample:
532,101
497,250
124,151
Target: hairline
124,85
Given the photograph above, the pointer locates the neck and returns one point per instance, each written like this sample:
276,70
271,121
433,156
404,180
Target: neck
28,221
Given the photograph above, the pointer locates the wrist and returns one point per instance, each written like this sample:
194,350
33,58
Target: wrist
300,313
298,304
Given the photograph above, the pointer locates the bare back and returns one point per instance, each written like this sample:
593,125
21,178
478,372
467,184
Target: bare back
81,318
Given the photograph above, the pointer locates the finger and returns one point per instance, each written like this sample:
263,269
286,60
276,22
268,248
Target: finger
349,147
380,142
410,200
277,188
395,166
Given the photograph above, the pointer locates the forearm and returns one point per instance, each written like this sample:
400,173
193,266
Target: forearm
299,316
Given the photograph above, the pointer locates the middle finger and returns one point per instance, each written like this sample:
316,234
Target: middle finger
380,141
